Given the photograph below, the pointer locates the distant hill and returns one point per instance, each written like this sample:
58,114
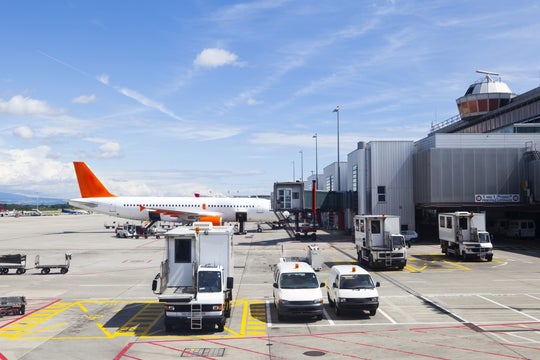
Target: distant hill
9,198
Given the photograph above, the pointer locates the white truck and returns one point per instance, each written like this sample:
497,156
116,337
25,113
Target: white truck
195,282
379,242
464,234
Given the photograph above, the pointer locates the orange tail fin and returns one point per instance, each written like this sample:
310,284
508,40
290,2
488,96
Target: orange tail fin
89,184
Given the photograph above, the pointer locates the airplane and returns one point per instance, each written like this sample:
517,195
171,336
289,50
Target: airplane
97,198
74,212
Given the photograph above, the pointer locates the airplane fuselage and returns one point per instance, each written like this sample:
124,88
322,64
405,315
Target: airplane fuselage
142,208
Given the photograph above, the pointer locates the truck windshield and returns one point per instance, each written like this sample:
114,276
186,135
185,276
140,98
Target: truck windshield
209,281
483,237
358,281
398,241
299,281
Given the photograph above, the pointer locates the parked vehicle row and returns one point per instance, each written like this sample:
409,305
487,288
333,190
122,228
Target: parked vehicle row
297,290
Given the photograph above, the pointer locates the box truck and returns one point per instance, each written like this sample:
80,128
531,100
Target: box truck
195,282
464,234
378,241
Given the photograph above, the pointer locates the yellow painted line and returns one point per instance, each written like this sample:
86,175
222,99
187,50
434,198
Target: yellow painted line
245,315
52,327
413,269
23,325
142,321
82,307
462,267
105,331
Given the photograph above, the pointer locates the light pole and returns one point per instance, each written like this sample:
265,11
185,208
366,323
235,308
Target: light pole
293,174
302,166
316,163
336,110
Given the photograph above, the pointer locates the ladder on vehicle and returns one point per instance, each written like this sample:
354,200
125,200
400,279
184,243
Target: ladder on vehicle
388,261
286,224
196,316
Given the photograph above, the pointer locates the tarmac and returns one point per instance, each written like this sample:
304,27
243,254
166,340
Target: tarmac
104,308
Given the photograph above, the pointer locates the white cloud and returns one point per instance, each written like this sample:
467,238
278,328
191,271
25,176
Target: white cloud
84,99
28,168
109,149
23,132
252,101
214,57
103,78
20,105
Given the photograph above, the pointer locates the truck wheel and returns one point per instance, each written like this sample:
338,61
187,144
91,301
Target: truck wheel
330,302
489,257
221,326
227,309
372,312
63,270
168,326
20,271
313,237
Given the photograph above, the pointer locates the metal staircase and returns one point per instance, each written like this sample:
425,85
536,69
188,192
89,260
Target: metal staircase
282,218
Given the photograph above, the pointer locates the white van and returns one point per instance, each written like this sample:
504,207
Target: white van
297,291
350,287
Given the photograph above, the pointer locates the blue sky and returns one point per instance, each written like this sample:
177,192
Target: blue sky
170,98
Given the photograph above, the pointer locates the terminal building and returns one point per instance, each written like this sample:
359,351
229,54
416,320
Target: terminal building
485,159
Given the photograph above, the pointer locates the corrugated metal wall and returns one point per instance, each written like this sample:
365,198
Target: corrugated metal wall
455,175
391,165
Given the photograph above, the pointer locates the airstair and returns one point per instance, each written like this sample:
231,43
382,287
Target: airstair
286,225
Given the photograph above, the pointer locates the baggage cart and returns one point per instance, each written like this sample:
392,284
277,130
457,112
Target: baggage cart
12,261
12,305
45,269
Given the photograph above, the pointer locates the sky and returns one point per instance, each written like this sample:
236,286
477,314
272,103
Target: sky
222,98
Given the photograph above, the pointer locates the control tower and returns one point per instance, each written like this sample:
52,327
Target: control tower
483,96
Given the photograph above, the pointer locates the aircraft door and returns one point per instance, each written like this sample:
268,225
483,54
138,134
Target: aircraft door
180,255
112,209
241,218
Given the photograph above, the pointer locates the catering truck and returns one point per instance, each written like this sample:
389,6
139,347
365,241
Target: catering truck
195,282
378,241
464,234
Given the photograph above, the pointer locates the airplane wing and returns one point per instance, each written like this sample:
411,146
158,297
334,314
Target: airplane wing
185,215
82,202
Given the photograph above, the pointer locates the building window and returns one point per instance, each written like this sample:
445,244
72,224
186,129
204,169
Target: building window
296,195
381,193
330,183
284,198
355,178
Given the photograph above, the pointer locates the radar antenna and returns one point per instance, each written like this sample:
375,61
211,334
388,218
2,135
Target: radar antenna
487,72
